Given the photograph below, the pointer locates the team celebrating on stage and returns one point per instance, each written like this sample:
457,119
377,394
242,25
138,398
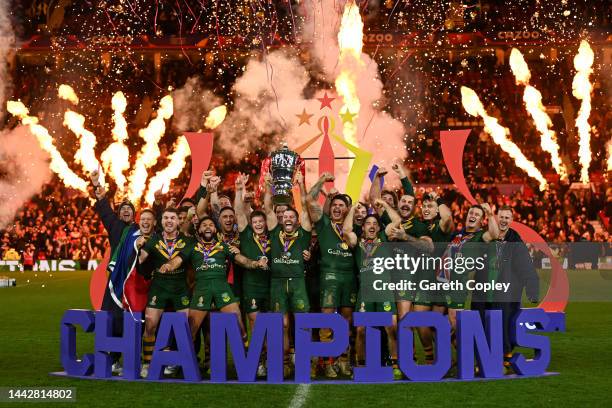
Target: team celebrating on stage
210,254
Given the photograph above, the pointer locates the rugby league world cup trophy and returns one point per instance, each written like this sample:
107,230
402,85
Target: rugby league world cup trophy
282,165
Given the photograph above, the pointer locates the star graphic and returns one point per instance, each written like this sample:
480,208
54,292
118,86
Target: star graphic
304,117
325,101
347,116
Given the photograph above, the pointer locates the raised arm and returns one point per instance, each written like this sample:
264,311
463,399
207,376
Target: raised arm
239,204
271,219
492,232
446,215
109,218
347,227
394,216
317,187
203,195
315,211
305,216
404,175
375,186
214,196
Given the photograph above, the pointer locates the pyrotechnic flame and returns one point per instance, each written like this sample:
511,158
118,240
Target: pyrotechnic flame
147,157
533,103
66,92
58,165
216,117
85,154
116,157
581,88
177,162
350,42
473,106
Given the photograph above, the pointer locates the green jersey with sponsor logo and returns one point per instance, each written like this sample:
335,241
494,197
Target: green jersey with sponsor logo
160,250
254,247
287,258
209,260
336,256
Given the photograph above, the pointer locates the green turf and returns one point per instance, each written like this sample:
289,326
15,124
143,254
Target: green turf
29,329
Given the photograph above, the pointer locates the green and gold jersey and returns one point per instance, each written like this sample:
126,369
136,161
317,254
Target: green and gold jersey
414,227
161,250
336,256
254,247
435,232
287,259
366,249
209,260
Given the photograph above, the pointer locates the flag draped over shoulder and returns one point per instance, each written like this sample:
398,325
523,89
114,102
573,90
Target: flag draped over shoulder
121,267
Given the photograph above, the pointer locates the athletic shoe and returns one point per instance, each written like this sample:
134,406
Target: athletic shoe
345,368
117,369
397,374
144,371
330,371
171,370
261,370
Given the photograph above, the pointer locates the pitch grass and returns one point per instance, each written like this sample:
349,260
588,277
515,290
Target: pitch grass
29,350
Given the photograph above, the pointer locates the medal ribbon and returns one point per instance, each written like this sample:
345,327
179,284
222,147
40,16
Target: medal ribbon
169,246
262,245
287,244
369,248
208,250
339,232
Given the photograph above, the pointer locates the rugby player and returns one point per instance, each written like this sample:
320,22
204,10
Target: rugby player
409,229
168,287
209,258
365,246
254,244
289,243
337,268
472,233
439,221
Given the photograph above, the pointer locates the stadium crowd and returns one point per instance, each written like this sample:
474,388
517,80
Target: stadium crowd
58,223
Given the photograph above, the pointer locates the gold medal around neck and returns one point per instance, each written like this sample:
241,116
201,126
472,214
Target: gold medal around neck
344,246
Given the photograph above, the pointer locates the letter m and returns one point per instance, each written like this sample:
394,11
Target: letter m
224,329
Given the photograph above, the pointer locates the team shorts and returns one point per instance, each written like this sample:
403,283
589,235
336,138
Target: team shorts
255,299
338,290
165,293
289,295
211,294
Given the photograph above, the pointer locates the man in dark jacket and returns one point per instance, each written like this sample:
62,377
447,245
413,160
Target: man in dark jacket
511,264
115,224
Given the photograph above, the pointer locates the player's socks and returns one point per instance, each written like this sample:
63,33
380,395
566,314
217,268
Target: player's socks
429,356
148,344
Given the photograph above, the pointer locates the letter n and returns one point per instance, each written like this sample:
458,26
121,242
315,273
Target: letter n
489,347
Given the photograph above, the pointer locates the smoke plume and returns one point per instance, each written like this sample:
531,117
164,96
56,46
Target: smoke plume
24,169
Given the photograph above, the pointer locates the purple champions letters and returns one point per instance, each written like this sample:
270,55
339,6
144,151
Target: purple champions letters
476,341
